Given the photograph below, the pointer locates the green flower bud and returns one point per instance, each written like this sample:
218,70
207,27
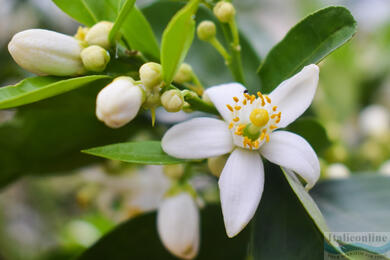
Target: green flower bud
224,11
98,34
184,74
206,30
150,74
216,164
172,100
174,171
46,52
95,58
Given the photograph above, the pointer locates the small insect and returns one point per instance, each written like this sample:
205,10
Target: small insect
246,91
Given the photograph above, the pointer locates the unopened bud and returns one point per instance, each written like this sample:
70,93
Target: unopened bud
174,171
184,74
172,100
216,164
98,34
178,225
119,102
150,74
44,52
95,58
206,30
224,11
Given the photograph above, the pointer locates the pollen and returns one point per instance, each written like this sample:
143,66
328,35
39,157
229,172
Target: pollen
259,117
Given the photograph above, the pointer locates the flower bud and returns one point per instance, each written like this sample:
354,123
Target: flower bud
224,11
98,34
44,52
150,74
206,30
216,164
172,100
119,102
173,171
184,74
95,58
178,225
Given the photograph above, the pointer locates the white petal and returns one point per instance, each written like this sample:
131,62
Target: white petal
293,152
294,95
178,225
222,95
198,138
241,186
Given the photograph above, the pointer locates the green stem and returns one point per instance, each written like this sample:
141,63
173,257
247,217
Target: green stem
235,65
219,47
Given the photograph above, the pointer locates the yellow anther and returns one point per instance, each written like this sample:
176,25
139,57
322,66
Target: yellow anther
274,108
259,117
235,99
241,127
267,137
236,119
276,115
247,96
272,127
244,102
262,136
238,132
268,99
231,125
229,107
253,98
256,144
259,94
277,120
237,107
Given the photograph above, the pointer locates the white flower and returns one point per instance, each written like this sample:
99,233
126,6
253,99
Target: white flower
178,225
119,102
46,52
248,132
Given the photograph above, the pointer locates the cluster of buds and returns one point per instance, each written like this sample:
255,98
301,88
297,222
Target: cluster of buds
45,52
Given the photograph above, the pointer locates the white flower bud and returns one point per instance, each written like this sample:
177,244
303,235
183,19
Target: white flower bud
178,225
46,52
95,58
150,74
206,30
337,171
216,164
224,11
173,171
98,34
119,102
172,100
184,74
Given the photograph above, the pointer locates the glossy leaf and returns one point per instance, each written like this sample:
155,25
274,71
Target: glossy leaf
78,10
283,228
313,131
308,42
46,137
139,34
177,39
34,89
138,239
147,152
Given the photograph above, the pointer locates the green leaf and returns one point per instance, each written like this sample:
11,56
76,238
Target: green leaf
124,12
34,89
308,42
139,34
286,226
147,152
138,239
313,131
357,204
78,10
46,137
177,39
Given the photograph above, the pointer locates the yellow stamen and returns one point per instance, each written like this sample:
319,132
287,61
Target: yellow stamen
244,102
267,137
235,99
236,119
237,107
253,98
230,107
230,125
268,99
272,127
274,108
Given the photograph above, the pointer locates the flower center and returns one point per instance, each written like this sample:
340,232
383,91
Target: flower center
254,118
